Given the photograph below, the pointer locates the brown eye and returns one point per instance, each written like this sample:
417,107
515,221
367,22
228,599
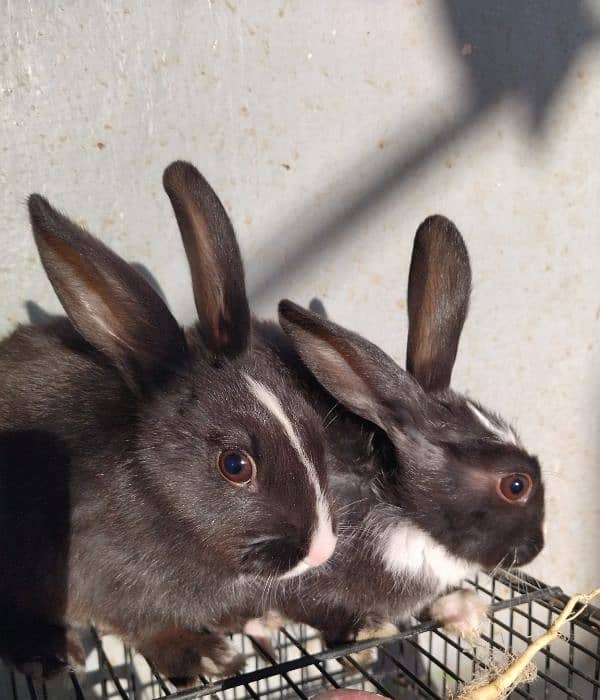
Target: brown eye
237,467
515,487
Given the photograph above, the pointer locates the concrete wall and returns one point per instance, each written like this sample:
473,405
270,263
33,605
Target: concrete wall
331,129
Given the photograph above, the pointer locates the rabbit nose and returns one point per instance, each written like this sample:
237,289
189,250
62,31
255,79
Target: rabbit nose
321,547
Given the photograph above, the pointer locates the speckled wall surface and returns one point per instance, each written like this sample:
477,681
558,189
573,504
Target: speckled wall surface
331,129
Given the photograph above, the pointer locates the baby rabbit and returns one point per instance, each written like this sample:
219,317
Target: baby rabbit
147,474
440,488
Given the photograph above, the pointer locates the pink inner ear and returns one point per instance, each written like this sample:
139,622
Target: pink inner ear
214,260
208,287
84,293
339,377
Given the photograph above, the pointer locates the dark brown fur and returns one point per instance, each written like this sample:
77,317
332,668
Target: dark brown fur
112,508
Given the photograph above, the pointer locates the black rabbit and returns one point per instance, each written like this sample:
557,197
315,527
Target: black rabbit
430,486
149,475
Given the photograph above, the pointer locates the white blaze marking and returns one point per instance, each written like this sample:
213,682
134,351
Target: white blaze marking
296,571
409,551
323,537
505,434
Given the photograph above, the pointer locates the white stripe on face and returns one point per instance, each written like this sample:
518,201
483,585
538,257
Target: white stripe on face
296,571
504,433
323,540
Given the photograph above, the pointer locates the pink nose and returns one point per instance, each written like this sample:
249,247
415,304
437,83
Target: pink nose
321,548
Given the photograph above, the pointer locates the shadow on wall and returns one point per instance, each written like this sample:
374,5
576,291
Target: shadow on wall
37,315
522,49
510,49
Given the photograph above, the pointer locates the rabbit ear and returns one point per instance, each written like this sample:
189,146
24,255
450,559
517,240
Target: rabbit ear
439,286
214,259
109,303
356,372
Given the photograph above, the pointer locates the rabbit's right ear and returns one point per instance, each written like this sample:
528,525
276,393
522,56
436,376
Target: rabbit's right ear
109,303
439,286
214,259
353,370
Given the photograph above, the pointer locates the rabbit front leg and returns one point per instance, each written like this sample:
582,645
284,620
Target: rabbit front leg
340,626
182,655
261,630
461,612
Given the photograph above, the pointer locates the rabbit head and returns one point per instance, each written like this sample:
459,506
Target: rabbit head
459,472
228,456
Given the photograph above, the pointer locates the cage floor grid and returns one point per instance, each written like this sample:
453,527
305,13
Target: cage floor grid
420,662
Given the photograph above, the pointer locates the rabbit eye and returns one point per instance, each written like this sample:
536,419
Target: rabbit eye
237,467
515,487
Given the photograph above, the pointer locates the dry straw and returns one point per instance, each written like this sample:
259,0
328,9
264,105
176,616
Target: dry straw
522,669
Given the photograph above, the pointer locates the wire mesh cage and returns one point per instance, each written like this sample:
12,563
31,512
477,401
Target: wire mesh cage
420,662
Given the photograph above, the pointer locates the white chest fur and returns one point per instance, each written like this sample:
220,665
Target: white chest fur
408,551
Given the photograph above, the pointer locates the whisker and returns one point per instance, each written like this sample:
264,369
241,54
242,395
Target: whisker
326,426
330,411
498,566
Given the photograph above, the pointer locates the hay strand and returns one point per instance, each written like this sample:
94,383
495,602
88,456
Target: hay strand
520,670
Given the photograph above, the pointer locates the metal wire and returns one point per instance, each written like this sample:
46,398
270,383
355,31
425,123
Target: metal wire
420,662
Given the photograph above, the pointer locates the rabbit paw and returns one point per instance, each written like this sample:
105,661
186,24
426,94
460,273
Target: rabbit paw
182,655
224,661
461,612
367,657
261,629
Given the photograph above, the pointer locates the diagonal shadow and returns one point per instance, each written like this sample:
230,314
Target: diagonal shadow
510,49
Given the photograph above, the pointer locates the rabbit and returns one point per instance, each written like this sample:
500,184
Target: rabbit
149,474
433,486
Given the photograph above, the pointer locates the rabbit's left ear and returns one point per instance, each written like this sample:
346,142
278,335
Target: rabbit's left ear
353,370
113,307
439,286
